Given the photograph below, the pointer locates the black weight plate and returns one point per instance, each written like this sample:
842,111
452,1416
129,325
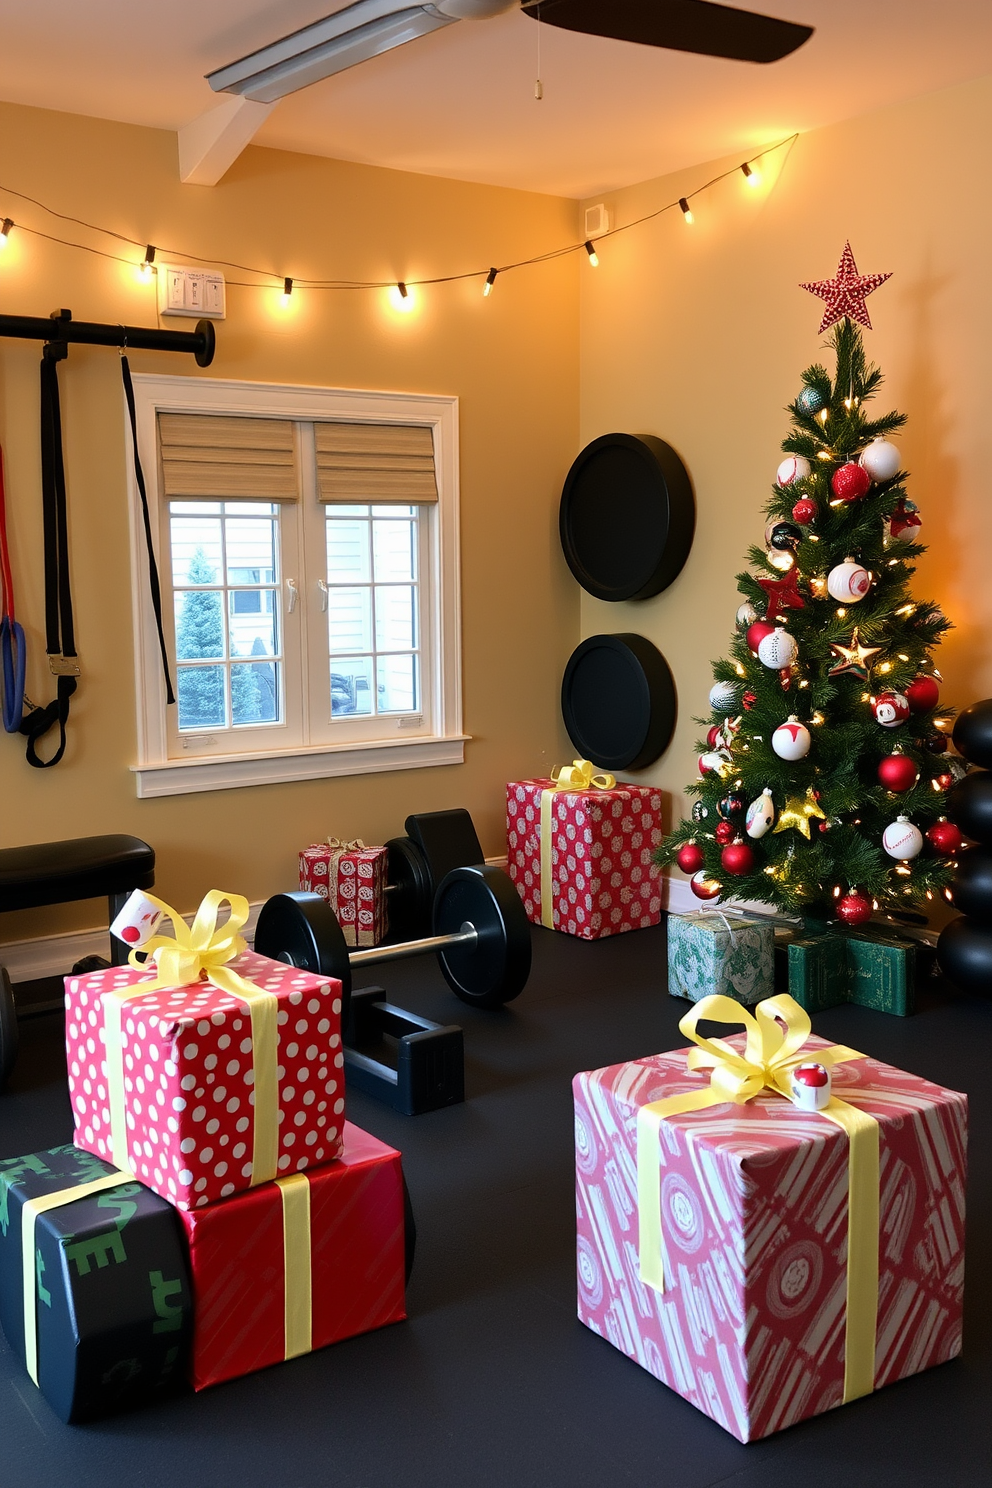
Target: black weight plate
9,1038
627,516
618,701
302,930
496,968
408,904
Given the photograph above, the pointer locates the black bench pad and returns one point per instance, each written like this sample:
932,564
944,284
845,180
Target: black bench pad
82,868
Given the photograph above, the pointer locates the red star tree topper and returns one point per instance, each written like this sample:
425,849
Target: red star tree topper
844,295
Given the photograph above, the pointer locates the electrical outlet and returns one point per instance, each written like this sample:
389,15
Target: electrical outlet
195,292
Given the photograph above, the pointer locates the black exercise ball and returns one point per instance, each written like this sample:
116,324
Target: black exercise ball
969,805
964,954
973,734
971,885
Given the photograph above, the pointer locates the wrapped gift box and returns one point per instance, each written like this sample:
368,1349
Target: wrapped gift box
752,1202
110,1316
708,953
188,1065
352,878
298,1263
598,877
872,971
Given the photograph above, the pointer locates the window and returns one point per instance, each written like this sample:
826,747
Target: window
307,547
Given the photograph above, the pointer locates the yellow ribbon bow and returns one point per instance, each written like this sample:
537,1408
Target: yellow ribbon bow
579,775
775,1035
195,953
338,845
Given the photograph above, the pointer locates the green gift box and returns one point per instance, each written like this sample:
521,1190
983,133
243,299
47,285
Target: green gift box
874,972
708,953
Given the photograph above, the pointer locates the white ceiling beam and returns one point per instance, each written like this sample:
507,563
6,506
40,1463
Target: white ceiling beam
210,144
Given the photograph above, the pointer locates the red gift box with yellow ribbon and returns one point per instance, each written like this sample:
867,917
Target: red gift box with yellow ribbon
579,849
209,1069
298,1263
768,1261
352,878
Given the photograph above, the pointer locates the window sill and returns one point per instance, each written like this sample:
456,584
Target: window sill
233,772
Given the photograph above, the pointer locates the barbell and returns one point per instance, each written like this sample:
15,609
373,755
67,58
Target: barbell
481,937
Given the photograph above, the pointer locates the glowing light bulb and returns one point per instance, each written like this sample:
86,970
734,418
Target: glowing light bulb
400,298
751,174
287,290
5,228
593,255
487,288
686,210
823,415
147,269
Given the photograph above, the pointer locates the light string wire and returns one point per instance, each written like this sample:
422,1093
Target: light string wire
361,284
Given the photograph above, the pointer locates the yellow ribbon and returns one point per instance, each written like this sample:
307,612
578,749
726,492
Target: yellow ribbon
578,776
196,953
295,1194
770,1055
339,846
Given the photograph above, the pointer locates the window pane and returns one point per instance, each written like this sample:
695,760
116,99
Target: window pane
199,624
252,623
250,550
200,692
394,548
351,686
347,551
196,550
349,620
394,510
250,508
195,508
396,684
255,693
395,617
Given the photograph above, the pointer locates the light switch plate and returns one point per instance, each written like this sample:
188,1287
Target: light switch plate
200,293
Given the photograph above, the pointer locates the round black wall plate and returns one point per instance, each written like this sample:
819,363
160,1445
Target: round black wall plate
627,516
618,701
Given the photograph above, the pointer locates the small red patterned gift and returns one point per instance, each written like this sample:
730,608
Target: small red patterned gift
298,1263
209,1070
352,878
579,850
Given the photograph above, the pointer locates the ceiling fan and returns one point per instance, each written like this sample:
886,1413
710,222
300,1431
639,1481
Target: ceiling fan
370,27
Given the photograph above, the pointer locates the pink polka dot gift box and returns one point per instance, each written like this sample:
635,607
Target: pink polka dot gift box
211,1069
772,1226
579,848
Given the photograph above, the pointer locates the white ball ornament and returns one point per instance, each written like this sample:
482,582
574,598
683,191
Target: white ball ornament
890,709
901,839
793,468
777,650
791,740
880,460
746,615
723,695
760,815
848,582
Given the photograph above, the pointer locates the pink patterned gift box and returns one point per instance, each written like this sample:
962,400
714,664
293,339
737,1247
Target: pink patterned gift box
750,1327
189,1075
352,878
602,879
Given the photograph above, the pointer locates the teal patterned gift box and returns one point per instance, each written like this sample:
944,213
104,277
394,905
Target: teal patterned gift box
708,953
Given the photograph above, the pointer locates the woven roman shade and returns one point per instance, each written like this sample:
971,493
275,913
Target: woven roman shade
214,457
375,463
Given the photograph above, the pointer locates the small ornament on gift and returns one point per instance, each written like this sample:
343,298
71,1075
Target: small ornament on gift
810,1086
138,921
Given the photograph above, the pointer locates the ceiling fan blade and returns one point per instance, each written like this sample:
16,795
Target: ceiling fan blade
680,25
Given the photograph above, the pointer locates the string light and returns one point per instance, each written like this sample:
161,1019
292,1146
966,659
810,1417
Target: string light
686,210
593,255
823,415
287,290
5,228
751,176
487,288
147,268
400,297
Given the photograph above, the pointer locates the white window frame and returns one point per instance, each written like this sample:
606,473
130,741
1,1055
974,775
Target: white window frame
439,740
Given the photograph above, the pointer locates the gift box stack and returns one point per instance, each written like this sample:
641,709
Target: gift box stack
352,878
772,1226
217,1213
579,850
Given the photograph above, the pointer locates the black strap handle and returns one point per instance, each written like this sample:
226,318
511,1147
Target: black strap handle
153,580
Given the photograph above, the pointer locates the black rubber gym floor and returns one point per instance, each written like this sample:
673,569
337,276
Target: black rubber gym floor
492,1381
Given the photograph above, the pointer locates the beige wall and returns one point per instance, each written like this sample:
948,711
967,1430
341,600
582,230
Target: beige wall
512,360
699,334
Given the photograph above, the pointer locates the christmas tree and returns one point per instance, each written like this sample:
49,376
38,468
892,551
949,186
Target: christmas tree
200,635
823,772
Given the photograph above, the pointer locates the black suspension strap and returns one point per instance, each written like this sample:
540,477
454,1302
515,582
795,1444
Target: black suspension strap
153,580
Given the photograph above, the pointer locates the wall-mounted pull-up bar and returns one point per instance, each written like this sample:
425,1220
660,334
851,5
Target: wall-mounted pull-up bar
61,327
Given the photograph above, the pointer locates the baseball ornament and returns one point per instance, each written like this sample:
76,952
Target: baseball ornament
746,615
785,536
793,468
703,887
897,772
760,815
880,460
804,511
945,837
850,483
722,696
756,634
791,740
810,1086
855,908
901,839
777,650
923,694
724,832
137,921
890,709
690,857
714,763
737,859
848,582
905,520
811,401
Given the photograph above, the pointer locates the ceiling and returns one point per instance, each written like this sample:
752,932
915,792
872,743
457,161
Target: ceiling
461,102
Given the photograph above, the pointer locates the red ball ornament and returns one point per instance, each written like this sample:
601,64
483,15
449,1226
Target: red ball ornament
804,511
756,634
923,694
850,482
945,781
690,858
855,908
713,737
945,837
897,772
703,887
724,832
737,858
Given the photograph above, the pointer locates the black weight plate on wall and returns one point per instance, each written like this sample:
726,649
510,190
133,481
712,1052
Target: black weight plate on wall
618,701
627,516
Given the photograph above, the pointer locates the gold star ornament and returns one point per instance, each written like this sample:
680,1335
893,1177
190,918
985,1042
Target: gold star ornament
797,813
853,659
